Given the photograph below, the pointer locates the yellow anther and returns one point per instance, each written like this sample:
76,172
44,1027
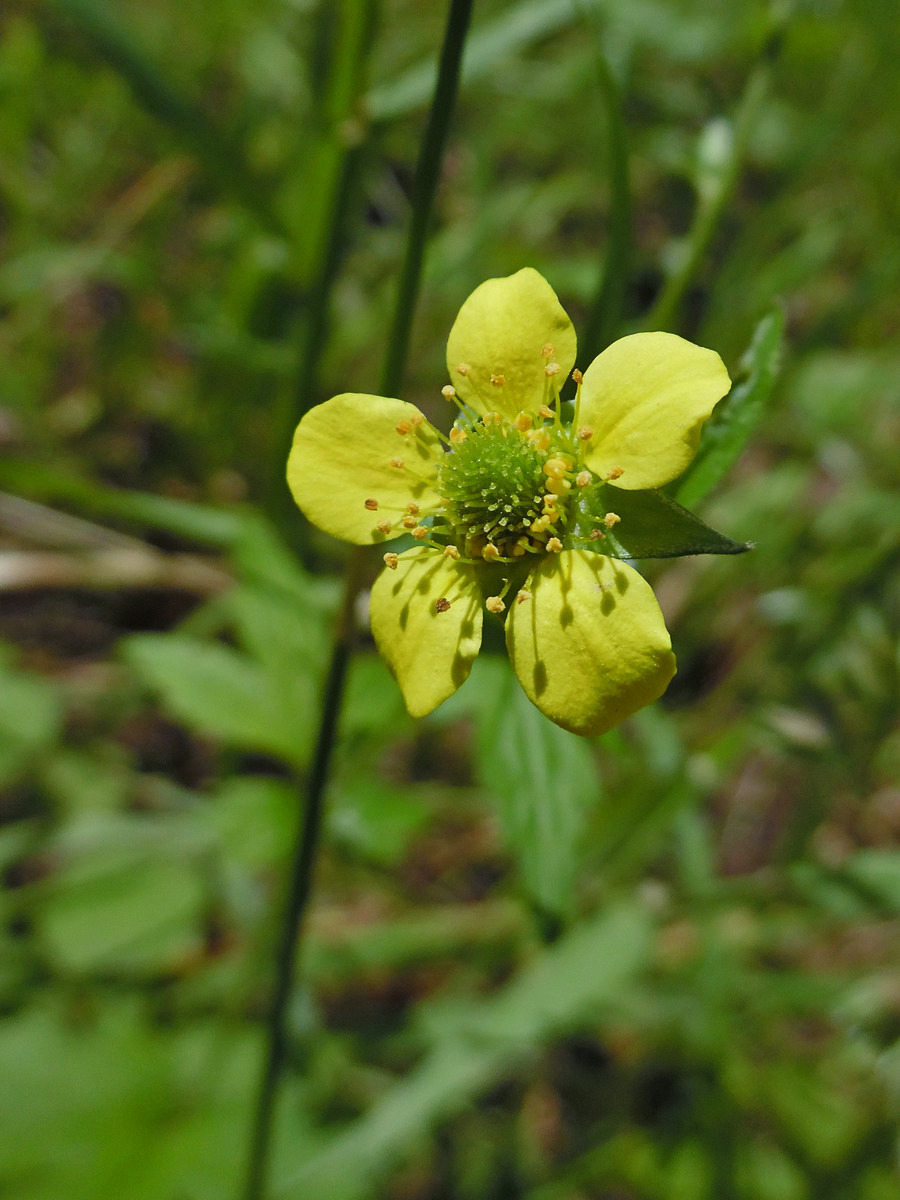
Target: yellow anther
523,422
547,350
448,391
546,411
494,604
519,549
457,435
391,560
372,505
559,486
540,439
583,479
451,552
557,466
611,519
616,473
585,433
412,508
384,526
463,368
403,428
410,522
397,464
551,369
420,533
498,380
442,605
577,375
490,552
550,501
541,525
416,419
554,545
522,596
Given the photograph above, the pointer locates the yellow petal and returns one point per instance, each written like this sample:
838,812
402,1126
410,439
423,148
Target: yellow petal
646,397
426,620
340,473
495,352
589,645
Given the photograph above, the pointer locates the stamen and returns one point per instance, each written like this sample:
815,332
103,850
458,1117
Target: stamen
583,479
420,533
522,596
495,605
498,380
552,369
490,553
547,351
383,526
442,605
554,545
410,522
412,509
391,560
371,505
585,433
463,368
611,519
523,422
451,552
615,473
595,535
403,428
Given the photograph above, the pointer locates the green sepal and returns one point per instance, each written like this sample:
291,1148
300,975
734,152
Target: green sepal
652,525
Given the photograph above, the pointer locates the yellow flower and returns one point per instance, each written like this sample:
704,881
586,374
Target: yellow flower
497,509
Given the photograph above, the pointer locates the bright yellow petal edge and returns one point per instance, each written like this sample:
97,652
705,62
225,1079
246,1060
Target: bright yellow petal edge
646,398
496,349
358,461
426,617
589,646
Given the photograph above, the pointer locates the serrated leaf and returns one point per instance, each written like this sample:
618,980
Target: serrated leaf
739,414
542,779
218,691
652,525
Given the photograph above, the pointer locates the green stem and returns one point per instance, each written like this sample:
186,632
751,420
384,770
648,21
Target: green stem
307,840
606,311
712,204
300,887
428,171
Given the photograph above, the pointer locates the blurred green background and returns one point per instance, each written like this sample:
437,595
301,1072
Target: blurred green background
661,966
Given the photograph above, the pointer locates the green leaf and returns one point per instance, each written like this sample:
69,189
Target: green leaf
30,718
738,416
542,779
566,986
652,525
218,691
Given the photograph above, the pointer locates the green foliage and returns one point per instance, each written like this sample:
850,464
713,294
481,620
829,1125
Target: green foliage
660,967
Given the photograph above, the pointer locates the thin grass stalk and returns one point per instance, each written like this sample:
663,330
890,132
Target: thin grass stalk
308,834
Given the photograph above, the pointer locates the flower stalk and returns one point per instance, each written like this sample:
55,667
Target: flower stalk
308,833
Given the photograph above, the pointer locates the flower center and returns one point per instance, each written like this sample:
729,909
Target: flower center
504,489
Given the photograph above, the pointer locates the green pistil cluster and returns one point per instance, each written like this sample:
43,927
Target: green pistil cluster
494,482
